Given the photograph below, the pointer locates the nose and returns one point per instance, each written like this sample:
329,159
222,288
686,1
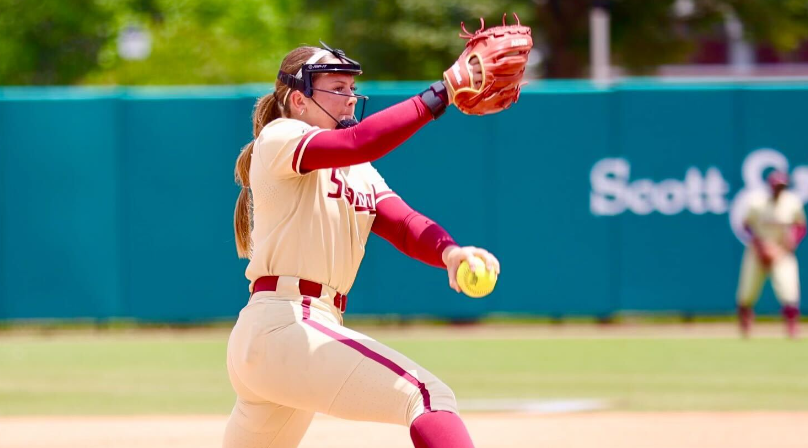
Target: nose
352,101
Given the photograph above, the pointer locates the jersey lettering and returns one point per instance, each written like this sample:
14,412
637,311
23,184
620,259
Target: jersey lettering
338,183
350,195
362,202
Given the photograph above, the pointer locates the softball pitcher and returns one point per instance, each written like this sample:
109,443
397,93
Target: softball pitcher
309,201
776,223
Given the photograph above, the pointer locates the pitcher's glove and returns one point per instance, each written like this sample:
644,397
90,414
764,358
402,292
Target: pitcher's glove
502,53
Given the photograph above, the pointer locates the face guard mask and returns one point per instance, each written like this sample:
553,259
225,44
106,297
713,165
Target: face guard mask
302,81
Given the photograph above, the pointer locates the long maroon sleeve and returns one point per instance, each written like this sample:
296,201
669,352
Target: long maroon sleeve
411,232
374,137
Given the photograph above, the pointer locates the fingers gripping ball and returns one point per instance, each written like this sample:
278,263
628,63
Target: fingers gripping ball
502,54
478,282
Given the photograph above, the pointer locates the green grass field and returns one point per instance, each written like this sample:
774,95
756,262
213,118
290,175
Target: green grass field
152,374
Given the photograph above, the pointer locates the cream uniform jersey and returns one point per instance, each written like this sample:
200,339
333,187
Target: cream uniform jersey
771,221
313,225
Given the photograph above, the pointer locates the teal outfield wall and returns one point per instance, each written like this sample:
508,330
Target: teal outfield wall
118,203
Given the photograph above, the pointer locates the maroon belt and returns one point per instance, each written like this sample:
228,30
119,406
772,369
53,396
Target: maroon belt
307,288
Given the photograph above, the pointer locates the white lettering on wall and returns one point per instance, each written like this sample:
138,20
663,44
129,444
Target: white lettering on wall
613,192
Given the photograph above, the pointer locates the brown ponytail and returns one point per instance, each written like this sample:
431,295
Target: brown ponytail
269,107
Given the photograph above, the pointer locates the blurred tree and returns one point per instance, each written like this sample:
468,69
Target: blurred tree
209,41
648,33
783,23
224,41
409,39
51,41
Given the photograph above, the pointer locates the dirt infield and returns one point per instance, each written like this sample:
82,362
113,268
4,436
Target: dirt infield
584,430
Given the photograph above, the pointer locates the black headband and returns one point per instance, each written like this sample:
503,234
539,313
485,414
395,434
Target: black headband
304,83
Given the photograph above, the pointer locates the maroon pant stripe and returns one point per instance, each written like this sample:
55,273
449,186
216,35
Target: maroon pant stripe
395,368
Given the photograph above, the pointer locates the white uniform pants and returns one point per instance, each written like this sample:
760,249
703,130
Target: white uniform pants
289,357
784,275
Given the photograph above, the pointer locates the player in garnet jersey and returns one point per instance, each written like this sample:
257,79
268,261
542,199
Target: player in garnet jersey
310,200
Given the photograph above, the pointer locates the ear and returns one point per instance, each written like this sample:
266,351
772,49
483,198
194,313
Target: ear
297,101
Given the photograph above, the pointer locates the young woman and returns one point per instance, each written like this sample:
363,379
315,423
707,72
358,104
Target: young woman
776,223
309,201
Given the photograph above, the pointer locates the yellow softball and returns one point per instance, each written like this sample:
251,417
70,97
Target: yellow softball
477,283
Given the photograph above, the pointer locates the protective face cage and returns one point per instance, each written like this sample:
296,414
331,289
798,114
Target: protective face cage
302,80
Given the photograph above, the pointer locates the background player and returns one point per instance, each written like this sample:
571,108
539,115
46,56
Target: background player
316,198
777,225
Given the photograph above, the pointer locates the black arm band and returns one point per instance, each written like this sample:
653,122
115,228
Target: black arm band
436,99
